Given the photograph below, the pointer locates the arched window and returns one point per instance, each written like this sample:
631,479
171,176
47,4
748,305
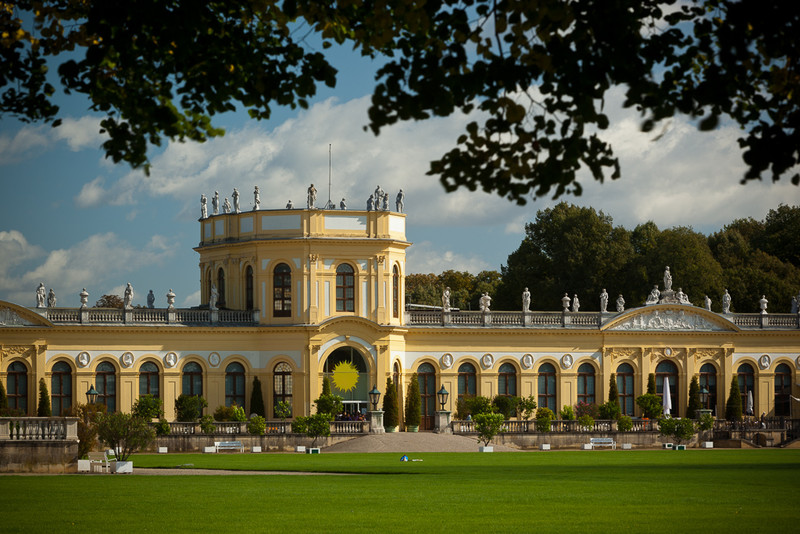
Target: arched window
17,387
625,388
282,291
467,380
708,387
148,379
395,292
234,384
248,288
106,386
507,380
61,388
667,370
282,385
747,379
192,379
345,288
347,371
586,383
220,288
547,386
783,390
426,376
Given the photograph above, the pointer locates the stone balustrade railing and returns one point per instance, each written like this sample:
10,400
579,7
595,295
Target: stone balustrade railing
349,427
38,429
149,316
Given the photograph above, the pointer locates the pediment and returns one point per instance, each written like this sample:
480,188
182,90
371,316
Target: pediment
14,315
669,318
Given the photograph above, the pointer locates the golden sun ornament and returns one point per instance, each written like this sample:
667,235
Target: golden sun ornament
345,376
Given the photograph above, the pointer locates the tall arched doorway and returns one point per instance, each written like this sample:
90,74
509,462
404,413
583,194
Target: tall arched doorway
347,371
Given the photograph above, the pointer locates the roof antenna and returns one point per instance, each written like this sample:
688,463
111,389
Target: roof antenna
329,174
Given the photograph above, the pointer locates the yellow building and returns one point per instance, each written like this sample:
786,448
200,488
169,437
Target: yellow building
301,292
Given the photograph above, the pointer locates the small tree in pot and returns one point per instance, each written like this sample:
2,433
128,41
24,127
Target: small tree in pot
488,426
43,410
413,405
391,407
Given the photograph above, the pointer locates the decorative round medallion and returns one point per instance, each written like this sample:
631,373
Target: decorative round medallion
527,361
213,359
566,361
764,361
170,359
127,359
83,359
798,362
668,351
488,360
447,361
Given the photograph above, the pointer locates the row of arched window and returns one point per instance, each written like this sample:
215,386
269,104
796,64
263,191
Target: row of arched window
105,382
282,289
547,383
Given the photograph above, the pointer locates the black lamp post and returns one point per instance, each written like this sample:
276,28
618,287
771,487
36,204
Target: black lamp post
91,395
704,396
374,397
442,394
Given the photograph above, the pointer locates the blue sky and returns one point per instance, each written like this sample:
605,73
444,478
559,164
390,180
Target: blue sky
71,219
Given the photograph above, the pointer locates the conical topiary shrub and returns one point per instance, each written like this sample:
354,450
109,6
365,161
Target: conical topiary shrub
651,384
391,407
44,400
257,398
694,398
413,403
733,408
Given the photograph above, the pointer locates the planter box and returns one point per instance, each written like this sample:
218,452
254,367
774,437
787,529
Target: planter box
586,446
707,445
300,448
412,428
487,448
123,467
312,450
680,448
666,445
209,449
84,466
391,428
255,448
544,447
626,446
162,450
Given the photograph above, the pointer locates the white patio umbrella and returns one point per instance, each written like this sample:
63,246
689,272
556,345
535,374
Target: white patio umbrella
749,410
667,400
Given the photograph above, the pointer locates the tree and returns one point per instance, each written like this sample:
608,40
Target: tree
283,410
43,410
189,408
650,404
651,384
125,433
413,402
488,425
694,399
110,301
733,407
328,402
678,429
391,405
257,399
527,405
318,425
613,392
538,78
88,416
148,407
506,405
423,289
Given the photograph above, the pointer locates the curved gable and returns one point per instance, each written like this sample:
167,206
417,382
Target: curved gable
669,318
16,315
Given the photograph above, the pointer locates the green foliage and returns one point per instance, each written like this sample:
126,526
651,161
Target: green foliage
488,426
318,425
299,425
148,407
733,407
544,416
694,398
391,405
587,408
567,413
162,427
613,392
586,421
326,386
651,384
650,404
413,402
624,423
283,410
110,301
527,406
88,415
257,425
706,422
505,405
3,400
125,433
230,413
207,425
327,401
43,410
678,429
609,410
189,408
472,406
257,398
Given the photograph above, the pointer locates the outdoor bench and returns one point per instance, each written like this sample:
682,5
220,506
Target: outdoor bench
603,442
99,462
229,446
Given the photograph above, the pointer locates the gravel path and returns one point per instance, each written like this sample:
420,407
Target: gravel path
407,442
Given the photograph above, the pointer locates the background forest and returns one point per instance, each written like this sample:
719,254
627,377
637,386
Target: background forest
576,250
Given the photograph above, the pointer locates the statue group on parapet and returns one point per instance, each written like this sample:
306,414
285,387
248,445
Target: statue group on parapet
378,201
127,298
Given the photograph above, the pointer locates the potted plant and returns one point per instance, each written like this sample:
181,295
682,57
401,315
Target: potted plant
126,434
391,407
413,404
488,426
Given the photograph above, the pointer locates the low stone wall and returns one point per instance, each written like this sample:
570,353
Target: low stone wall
574,440
38,456
268,442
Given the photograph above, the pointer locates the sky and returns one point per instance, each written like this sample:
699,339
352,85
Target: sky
72,219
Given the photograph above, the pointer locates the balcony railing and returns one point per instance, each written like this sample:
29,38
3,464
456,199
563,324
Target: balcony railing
38,428
148,316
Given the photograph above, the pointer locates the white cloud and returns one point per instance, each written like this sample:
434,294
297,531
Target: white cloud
191,300
80,133
14,250
31,140
424,258
22,144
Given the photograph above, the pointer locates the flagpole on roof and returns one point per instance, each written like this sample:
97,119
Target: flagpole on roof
329,173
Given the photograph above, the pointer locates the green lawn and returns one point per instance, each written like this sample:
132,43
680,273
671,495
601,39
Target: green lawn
570,491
